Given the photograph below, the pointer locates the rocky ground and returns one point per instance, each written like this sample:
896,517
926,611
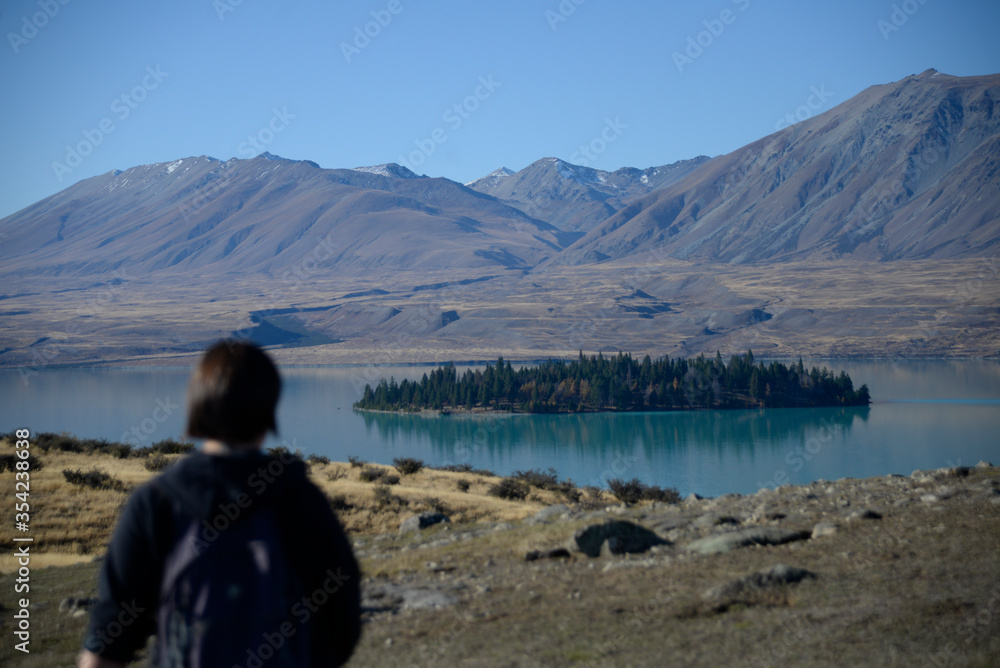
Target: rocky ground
885,571
889,571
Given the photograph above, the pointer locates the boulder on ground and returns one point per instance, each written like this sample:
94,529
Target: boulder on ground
422,521
621,537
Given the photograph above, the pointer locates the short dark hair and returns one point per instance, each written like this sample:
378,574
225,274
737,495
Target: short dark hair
233,393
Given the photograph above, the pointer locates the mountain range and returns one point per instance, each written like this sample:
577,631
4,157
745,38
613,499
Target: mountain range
896,190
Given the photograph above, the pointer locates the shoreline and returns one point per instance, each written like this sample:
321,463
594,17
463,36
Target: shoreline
777,577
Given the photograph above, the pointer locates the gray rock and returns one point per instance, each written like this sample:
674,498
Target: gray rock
389,596
76,604
693,497
864,514
628,537
727,542
422,521
548,514
775,576
824,529
984,465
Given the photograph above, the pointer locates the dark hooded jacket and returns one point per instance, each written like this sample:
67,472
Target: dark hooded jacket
218,489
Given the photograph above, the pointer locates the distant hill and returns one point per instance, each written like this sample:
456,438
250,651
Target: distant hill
576,198
902,171
264,215
871,229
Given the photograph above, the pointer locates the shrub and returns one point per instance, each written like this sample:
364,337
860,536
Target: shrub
384,498
537,478
168,446
633,491
336,474
436,504
283,453
9,463
408,465
356,462
456,468
372,474
508,488
339,502
95,479
313,458
157,462
463,485
548,480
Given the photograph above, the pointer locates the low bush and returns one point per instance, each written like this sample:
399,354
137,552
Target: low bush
436,504
408,465
548,480
284,453
456,468
313,458
336,474
356,462
169,446
384,498
510,489
377,475
156,462
633,491
339,502
9,463
463,485
95,479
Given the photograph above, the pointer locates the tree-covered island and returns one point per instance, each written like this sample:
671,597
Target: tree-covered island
619,383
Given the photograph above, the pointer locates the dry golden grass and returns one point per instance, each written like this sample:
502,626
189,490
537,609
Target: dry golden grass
71,523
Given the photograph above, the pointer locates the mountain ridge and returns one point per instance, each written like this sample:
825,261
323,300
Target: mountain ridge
858,231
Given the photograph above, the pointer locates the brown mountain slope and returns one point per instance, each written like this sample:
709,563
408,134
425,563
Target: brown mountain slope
909,170
263,216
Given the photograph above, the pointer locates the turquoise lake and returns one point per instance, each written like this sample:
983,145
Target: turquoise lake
925,414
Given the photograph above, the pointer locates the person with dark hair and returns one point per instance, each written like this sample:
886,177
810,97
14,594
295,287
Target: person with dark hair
231,557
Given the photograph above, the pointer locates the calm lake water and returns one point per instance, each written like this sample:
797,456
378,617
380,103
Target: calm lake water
926,414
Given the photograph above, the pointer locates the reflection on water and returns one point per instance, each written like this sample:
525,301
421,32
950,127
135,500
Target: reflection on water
722,432
926,414
593,447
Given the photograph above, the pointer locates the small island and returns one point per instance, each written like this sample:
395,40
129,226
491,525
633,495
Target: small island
619,383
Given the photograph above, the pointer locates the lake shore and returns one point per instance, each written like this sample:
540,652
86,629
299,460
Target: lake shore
891,570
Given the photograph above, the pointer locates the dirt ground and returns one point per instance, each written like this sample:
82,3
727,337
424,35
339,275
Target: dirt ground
902,571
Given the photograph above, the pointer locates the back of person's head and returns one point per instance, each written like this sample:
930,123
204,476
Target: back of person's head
233,394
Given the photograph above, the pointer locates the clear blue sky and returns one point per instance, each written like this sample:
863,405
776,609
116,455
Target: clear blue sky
201,77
